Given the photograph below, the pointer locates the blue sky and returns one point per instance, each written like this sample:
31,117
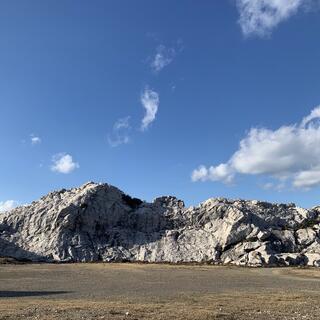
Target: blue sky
195,99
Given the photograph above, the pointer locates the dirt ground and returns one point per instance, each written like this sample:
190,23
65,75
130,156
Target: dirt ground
141,291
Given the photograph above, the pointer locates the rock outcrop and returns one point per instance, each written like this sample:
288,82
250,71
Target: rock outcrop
98,222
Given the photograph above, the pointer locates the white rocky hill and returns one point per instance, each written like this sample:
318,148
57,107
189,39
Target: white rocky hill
98,222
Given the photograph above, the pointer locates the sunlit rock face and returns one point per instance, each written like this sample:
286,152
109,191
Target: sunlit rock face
98,222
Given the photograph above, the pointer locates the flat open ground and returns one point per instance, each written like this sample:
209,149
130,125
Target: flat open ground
139,291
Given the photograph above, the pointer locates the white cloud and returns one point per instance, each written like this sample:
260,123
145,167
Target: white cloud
120,132
7,205
163,57
63,163
277,186
289,153
150,101
221,172
307,178
268,186
260,17
313,116
35,139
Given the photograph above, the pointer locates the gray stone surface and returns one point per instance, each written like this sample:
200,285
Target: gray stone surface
98,222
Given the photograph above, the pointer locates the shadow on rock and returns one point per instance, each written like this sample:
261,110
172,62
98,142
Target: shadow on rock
11,250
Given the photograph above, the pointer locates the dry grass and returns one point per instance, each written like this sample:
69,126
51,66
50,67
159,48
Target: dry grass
157,292
222,306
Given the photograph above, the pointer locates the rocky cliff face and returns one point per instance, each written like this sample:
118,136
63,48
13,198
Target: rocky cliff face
98,222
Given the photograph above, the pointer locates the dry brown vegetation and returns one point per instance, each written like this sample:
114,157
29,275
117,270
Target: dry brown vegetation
131,291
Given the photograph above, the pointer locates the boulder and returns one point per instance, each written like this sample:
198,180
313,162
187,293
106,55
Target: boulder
98,222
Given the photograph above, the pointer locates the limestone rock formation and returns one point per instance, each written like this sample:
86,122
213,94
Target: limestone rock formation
98,222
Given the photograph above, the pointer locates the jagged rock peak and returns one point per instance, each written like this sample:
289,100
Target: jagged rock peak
98,222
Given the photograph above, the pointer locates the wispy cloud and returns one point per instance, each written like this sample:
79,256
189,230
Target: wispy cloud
63,163
290,154
35,139
260,17
120,132
150,101
274,186
163,57
7,205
